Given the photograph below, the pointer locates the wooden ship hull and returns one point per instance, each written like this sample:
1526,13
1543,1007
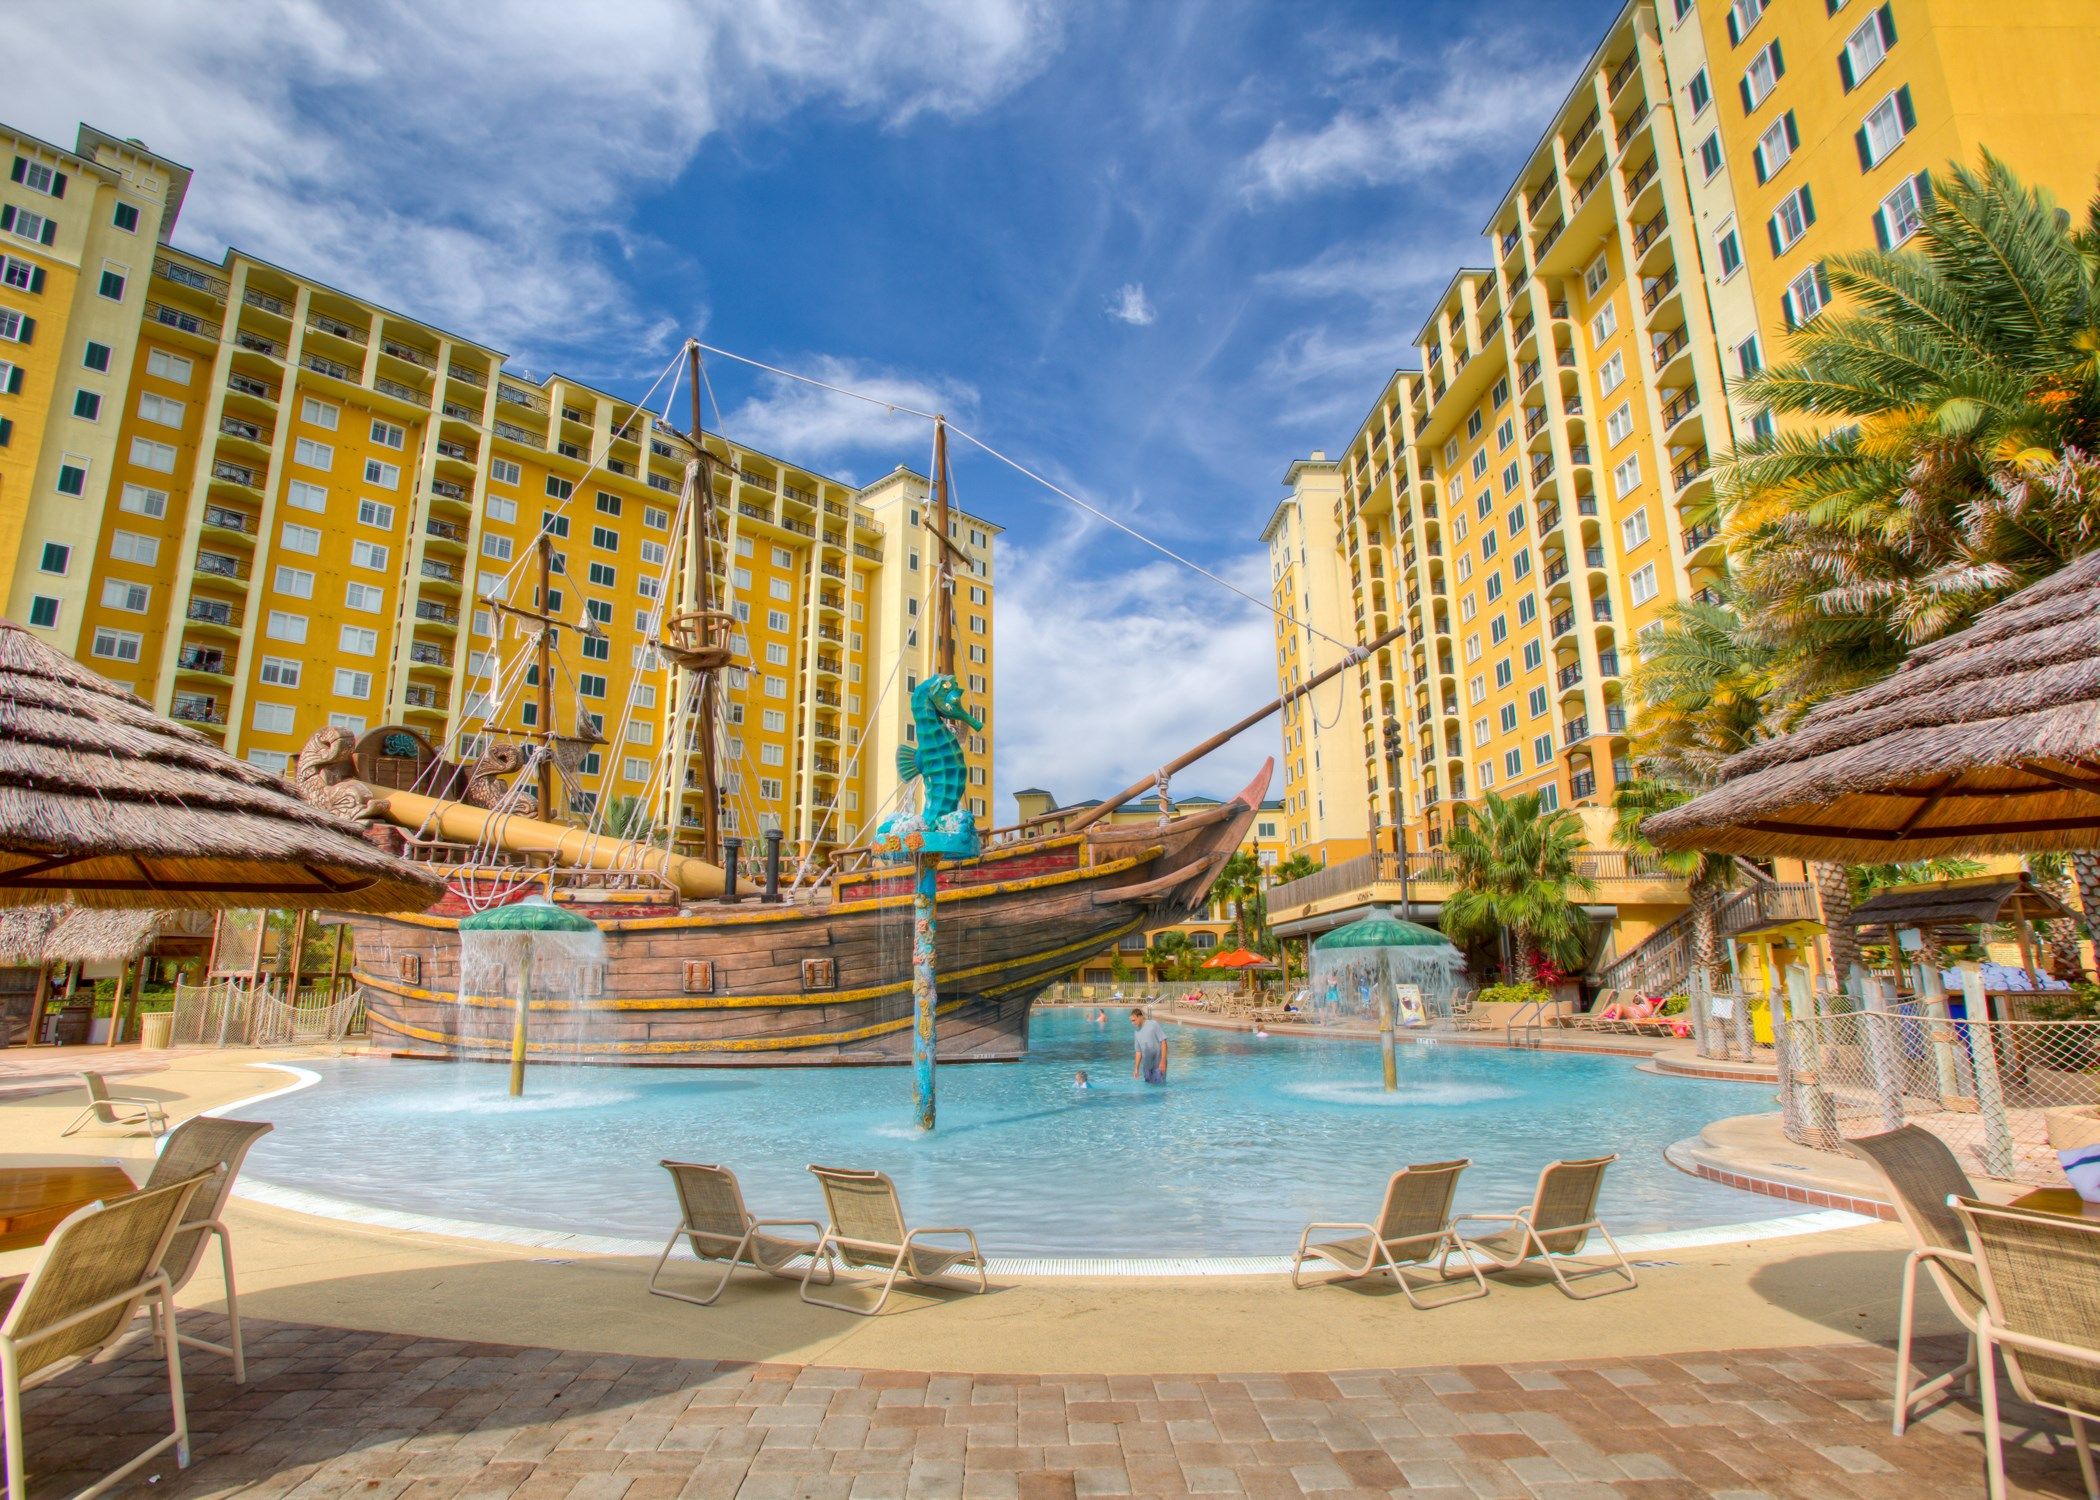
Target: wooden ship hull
822,979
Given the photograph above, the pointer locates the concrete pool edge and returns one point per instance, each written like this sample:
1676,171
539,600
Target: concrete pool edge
254,1189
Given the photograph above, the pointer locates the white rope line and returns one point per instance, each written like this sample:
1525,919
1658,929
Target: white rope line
1020,468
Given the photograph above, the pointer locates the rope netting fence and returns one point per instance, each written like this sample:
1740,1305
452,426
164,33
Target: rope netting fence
231,1012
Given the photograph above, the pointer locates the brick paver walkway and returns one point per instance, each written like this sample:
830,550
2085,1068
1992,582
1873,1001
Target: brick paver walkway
380,1416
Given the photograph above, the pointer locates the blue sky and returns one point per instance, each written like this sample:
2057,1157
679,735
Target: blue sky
1156,250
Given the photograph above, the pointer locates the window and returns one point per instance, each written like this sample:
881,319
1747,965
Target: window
34,228
39,178
320,414
1604,325
1866,47
1527,607
56,558
780,588
1710,154
43,611
634,768
279,671
369,555
351,683
603,575
1699,92
554,525
1549,796
503,510
1749,358
1533,655
597,648
1513,763
273,718
163,411
356,640
1542,750
173,368
1742,15
126,218
1634,529
1761,427
135,547
1619,425
605,538
312,454
1483,727
284,626
1902,212
87,405
1776,147
28,276
1728,248
1480,463
608,503
73,472
654,517
112,283
364,597
1504,672
305,540
1498,397
503,471
1506,433
776,687
1762,76
1596,276
1473,425
494,546
15,328
131,598
1612,373
776,654
375,513
387,435
385,476
776,619
1807,295
1511,473
1641,586
1790,221
297,583
1887,124
560,489
117,645
141,501
1627,476
96,357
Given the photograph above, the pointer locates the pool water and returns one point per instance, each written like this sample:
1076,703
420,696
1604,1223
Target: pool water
1247,1141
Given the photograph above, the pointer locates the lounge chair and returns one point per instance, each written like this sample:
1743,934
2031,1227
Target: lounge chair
866,1230
98,1266
1413,1224
1553,1229
715,1223
1588,1020
2037,1273
105,1108
195,1146
1923,1175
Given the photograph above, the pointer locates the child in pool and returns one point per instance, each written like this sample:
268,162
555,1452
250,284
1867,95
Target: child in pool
1079,1080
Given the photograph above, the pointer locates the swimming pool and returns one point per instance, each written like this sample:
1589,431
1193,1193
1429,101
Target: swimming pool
1248,1140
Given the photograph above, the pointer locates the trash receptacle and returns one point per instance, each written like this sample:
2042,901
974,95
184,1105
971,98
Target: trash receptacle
157,1029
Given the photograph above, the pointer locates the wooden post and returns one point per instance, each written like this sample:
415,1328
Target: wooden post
39,1002
298,953
700,587
517,1026
335,963
116,1005
1385,1034
262,931
925,987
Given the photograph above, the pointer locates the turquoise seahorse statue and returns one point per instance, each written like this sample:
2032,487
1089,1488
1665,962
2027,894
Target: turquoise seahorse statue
937,759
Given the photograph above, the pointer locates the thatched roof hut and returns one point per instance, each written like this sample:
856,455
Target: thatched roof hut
1987,741
1981,902
61,935
104,803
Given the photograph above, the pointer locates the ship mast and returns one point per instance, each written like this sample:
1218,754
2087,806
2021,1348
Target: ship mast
545,622
945,553
701,590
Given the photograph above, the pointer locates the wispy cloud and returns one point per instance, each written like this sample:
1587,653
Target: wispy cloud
475,164
1104,674
1131,305
815,425
1492,93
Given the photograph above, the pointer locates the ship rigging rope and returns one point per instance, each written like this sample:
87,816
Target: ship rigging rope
1020,468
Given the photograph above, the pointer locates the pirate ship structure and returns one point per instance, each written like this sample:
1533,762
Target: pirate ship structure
708,959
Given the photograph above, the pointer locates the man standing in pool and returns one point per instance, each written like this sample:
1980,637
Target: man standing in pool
1150,1062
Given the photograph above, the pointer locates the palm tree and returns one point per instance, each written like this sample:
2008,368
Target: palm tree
628,817
1239,885
1514,868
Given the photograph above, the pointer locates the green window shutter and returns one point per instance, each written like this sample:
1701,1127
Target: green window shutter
1808,205
36,280
1786,306
1888,26
7,213
1772,229
58,185
7,432
1743,86
21,168
50,230
1793,133
1923,183
1735,32
14,380
1881,231
1845,71
1822,284
28,334
1904,112
1757,155
1778,62
1866,153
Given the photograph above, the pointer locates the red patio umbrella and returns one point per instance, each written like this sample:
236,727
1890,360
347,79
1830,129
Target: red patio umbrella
1234,958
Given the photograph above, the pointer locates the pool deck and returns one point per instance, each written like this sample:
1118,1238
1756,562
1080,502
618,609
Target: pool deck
394,1363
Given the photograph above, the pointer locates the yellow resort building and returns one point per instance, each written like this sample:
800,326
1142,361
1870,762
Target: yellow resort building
267,505
1525,503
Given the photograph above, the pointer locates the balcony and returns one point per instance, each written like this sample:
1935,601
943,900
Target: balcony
239,474
1488,330
1575,731
458,452
445,531
397,390
1650,169
1556,570
409,356
1632,127
431,612
1600,611
1509,241
423,654
1698,536
1588,185
1659,288
511,395
1615,720
440,572
1582,786
571,450
195,280
247,432
247,385
1527,374
1541,467
471,377
1568,676
267,303
1669,346
1691,469
1647,234
1607,663
520,436
1708,596
1551,237
1625,70
337,328
420,697
331,368
1585,505
1579,454
459,413
619,467
445,489
1549,518
213,612
1583,132
1680,406
1521,329
1534,421
227,520
1561,624
201,659
219,565
255,343
185,322
1593,557
195,708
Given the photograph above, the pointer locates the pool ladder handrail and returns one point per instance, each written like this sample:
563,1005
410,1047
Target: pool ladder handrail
1531,1016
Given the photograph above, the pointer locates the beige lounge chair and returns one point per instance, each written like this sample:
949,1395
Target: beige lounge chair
866,1230
1923,1175
105,1108
1553,1229
1413,1224
98,1266
2037,1273
715,1223
195,1146
1589,1020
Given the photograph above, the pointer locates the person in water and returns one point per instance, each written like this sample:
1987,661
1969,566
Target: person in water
1079,1080
1100,1018
1150,1060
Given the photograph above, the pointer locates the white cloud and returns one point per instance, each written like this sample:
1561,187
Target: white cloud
1491,96
816,425
1131,305
1105,675
1382,274
474,164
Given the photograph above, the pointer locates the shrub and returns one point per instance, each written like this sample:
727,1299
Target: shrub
1527,993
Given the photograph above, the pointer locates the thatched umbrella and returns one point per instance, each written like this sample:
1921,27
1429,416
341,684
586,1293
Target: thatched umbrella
104,803
1984,742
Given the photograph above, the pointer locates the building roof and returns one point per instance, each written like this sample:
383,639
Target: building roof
1959,904
1985,741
